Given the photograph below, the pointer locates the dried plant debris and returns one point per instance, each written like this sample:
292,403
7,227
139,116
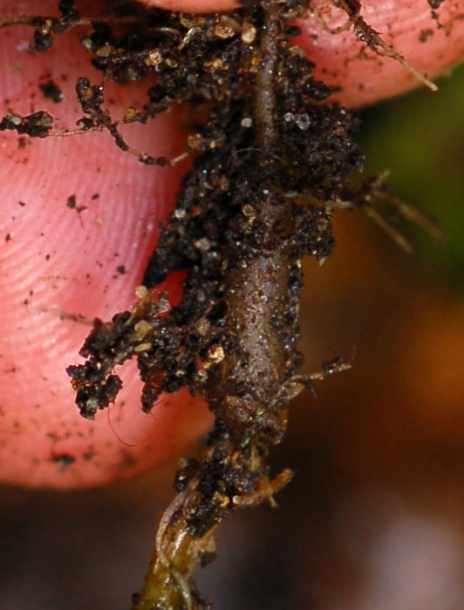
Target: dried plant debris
365,33
272,163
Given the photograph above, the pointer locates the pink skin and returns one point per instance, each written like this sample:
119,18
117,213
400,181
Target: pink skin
57,261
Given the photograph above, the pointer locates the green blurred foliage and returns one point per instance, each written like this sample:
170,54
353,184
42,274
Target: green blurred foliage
420,139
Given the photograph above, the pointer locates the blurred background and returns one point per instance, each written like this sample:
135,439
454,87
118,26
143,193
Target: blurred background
374,519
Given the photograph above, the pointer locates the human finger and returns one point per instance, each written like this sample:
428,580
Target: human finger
79,219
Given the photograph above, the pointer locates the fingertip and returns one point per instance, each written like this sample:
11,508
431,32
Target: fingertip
193,6
362,75
79,221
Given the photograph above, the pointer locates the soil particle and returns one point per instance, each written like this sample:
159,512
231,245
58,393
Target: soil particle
63,460
35,125
51,91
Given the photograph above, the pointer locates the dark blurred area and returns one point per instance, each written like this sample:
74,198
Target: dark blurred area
374,519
